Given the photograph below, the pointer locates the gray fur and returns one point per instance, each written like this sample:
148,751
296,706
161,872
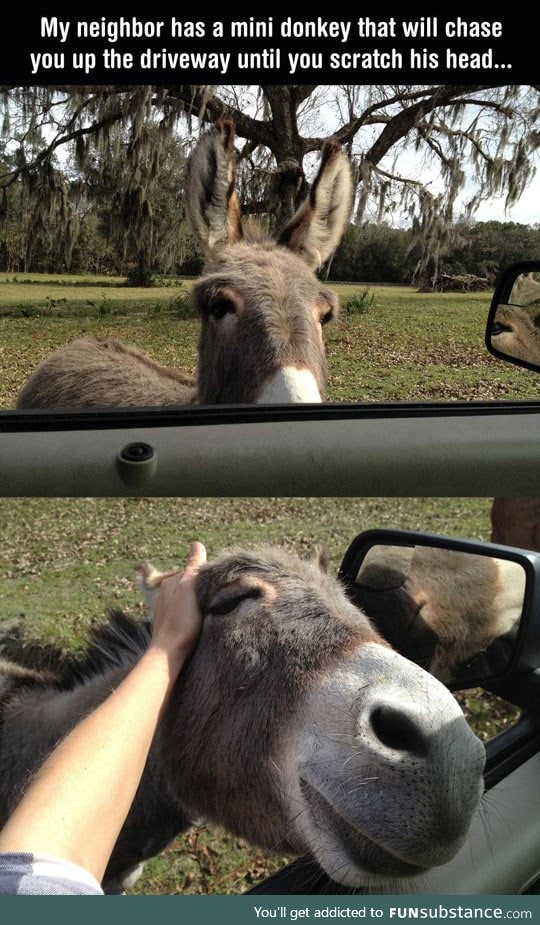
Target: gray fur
516,331
516,326
212,204
318,226
98,372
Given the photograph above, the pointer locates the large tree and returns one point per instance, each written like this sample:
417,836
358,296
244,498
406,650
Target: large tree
416,149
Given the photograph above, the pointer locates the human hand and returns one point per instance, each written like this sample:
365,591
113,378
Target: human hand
177,618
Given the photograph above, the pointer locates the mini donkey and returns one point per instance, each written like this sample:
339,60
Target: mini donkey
261,306
516,332
293,725
516,522
516,326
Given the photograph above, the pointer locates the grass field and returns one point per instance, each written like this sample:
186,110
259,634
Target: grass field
407,346
64,563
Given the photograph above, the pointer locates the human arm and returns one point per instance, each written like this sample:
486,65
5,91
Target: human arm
78,800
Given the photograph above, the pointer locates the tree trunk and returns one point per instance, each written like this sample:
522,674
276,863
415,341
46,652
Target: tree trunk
289,186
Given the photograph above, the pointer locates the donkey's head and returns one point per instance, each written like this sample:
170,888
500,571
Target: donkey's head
297,727
262,308
516,331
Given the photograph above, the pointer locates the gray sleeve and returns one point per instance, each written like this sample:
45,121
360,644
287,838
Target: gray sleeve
40,875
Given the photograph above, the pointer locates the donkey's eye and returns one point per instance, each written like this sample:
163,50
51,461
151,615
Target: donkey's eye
228,604
499,328
327,316
218,308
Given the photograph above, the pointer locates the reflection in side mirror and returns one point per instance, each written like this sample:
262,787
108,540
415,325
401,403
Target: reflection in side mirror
513,330
455,613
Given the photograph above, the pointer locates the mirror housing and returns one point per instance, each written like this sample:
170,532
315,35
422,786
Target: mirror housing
508,666
513,325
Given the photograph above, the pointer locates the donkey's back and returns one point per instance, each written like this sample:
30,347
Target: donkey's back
86,372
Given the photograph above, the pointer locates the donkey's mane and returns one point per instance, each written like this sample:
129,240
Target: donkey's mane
118,643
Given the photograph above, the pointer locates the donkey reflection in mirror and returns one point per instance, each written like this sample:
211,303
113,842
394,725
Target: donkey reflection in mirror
261,306
293,725
440,607
516,326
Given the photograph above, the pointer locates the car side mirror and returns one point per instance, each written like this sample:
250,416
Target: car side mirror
467,612
513,327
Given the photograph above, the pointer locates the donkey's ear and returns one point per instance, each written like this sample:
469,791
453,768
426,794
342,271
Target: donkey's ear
148,580
211,200
316,229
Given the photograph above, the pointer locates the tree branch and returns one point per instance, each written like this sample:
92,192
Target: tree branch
208,107
434,145
347,132
407,181
401,124
460,133
195,100
45,155
303,93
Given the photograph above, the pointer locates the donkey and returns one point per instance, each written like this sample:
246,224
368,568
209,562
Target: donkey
516,332
516,326
440,607
261,306
526,290
293,725
516,522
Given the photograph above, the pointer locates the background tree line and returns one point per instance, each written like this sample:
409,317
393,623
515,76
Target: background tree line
378,253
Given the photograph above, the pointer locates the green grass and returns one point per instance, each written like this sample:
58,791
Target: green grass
30,279
405,346
358,303
413,346
64,563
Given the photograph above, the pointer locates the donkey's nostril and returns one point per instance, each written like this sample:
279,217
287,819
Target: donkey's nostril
398,731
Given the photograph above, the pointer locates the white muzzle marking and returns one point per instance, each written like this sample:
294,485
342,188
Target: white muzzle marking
290,385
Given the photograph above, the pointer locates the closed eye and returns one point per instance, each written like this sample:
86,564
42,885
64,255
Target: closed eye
226,605
220,307
499,328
